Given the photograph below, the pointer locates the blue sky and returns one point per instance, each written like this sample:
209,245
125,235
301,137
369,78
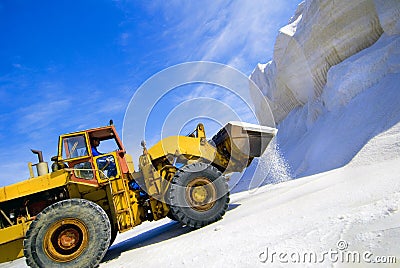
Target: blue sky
71,65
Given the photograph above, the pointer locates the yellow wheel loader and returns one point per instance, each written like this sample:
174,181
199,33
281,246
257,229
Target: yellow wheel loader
70,216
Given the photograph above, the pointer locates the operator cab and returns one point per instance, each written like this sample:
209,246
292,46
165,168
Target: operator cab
93,156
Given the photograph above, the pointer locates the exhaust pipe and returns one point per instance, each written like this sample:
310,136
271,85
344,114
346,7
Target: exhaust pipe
42,167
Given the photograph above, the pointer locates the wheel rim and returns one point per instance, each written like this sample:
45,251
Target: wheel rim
65,240
201,194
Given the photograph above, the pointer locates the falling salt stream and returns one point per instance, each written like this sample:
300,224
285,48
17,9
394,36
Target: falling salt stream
272,167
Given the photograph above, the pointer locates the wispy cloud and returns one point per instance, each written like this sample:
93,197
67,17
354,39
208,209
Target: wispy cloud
124,39
40,115
237,33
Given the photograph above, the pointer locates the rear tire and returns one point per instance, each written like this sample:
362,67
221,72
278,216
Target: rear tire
69,233
199,195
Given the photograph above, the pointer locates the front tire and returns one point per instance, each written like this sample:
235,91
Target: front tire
69,233
199,195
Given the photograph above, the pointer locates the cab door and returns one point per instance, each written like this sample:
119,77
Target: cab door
107,167
74,151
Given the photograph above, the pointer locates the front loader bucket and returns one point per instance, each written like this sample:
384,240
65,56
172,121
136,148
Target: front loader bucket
240,142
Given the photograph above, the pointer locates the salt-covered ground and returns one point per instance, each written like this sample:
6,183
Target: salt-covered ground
358,205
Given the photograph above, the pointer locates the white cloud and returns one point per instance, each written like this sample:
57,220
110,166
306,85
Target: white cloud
236,33
40,115
124,39
17,65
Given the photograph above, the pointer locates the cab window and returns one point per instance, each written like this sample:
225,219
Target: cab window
73,147
83,170
107,146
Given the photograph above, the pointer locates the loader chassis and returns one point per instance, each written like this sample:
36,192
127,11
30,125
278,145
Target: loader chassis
55,218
